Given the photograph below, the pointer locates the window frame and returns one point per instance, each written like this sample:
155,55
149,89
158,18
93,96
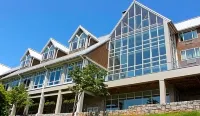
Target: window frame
192,31
48,56
185,54
78,41
54,82
27,59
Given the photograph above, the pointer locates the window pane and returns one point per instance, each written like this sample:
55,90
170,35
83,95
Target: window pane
111,45
138,39
117,60
154,33
162,50
58,74
195,35
144,14
138,21
152,18
41,79
52,75
138,9
146,35
123,58
118,30
190,53
154,51
145,23
111,62
131,59
131,41
124,41
146,53
131,11
161,31
118,43
138,58
131,24
74,45
187,36
197,50
160,21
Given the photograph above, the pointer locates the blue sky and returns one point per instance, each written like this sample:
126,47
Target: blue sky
30,23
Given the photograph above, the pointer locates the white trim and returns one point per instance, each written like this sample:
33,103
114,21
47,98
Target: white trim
85,31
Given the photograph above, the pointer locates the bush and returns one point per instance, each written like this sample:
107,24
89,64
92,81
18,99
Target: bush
5,102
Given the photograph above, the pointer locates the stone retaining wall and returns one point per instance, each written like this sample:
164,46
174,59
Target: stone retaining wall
145,109
154,108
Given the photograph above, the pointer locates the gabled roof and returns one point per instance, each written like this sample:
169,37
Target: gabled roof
85,31
194,22
143,6
102,40
33,54
57,45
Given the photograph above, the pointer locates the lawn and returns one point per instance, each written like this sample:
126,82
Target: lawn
194,113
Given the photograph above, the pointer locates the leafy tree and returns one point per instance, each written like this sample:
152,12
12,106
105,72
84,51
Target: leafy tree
89,79
19,97
4,102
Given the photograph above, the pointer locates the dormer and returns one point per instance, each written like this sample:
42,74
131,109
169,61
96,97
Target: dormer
81,39
53,50
30,58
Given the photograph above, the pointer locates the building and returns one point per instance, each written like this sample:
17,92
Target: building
149,60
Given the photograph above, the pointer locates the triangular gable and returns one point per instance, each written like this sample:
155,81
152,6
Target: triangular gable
85,31
33,54
56,44
142,6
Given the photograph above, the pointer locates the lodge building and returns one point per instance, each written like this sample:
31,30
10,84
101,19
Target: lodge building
149,59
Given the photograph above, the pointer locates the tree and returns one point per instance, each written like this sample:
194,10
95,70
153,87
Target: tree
19,97
89,79
4,102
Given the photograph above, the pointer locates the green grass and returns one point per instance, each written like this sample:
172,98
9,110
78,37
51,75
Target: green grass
194,113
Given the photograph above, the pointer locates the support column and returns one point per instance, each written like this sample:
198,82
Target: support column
162,91
13,111
80,102
58,103
26,110
41,105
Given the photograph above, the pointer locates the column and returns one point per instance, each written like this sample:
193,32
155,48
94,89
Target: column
80,102
58,103
26,110
13,111
162,91
41,105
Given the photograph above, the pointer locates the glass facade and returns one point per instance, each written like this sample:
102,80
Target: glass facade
137,46
69,68
54,76
123,101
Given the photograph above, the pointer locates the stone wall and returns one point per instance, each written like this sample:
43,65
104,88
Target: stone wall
145,109
153,108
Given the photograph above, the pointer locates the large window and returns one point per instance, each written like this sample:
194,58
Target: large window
38,80
48,53
141,50
188,35
78,41
54,76
123,101
14,83
190,53
26,81
70,67
26,62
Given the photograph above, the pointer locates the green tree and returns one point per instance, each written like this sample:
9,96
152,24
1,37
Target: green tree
89,79
4,102
19,97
